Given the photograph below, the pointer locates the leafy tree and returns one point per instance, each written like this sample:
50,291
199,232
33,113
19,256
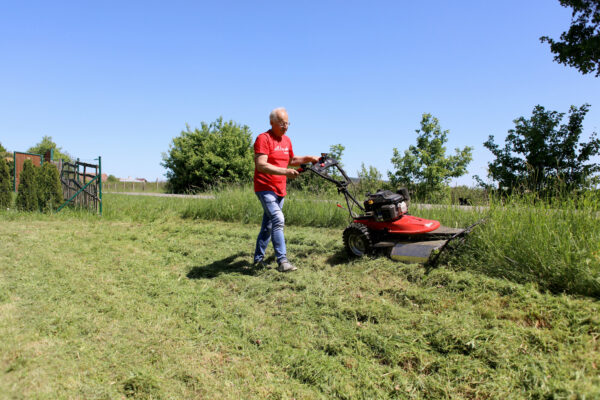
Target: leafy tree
425,169
579,47
540,153
50,194
337,151
112,179
47,144
27,198
220,152
5,185
369,179
3,151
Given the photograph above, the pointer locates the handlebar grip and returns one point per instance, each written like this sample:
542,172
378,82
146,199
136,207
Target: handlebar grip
303,168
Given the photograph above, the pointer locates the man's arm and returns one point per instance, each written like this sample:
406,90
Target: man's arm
299,160
263,166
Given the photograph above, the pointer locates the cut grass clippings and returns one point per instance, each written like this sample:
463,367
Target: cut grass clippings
144,304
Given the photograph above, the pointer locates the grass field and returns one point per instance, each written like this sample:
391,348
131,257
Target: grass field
156,301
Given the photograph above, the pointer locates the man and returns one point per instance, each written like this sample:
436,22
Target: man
272,155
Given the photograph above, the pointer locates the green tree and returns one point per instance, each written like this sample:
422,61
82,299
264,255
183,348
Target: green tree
369,179
5,185
47,144
50,194
5,154
112,179
579,47
425,169
27,198
337,151
541,154
220,152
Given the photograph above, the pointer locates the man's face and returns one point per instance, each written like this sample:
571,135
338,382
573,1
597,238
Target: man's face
280,125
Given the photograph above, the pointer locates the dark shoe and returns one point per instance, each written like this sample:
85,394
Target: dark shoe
259,264
285,266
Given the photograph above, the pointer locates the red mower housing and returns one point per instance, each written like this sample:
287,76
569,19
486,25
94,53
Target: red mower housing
405,225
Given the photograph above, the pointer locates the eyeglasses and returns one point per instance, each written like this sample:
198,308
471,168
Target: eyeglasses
284,124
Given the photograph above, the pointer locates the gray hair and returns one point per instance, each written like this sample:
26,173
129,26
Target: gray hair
274,114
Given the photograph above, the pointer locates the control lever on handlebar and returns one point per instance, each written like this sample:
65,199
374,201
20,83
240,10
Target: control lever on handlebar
303,168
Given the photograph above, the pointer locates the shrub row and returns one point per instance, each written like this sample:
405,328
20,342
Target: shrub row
5,185
39,187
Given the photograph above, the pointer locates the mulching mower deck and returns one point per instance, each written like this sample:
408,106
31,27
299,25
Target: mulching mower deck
384,222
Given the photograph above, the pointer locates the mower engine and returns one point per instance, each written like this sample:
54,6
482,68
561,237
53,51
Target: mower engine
385,205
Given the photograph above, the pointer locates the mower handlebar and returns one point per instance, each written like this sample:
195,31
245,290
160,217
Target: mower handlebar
322,164
304,167
320,168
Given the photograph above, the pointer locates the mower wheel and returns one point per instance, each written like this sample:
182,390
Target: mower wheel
357,240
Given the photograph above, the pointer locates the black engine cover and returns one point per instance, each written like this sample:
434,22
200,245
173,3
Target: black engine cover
385,205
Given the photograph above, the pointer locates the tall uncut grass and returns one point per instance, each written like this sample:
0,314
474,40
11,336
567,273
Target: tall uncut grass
556,245
242,205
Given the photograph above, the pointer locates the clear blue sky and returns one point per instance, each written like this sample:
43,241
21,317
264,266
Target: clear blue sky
121,79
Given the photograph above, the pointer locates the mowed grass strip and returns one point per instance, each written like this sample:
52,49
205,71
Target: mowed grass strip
169,308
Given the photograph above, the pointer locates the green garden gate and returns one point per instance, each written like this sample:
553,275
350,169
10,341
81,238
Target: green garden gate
82,184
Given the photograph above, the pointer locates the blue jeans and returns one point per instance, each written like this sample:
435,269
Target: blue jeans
272,226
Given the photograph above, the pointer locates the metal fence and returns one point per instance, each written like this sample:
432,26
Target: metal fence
82,185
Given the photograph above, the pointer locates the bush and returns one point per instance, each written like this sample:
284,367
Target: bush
50,194
112,179
218,153
27,198
369,180
5,185
11,168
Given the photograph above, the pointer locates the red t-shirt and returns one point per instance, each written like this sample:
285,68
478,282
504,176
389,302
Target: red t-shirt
280,153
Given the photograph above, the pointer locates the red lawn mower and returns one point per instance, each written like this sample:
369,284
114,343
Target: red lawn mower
384,222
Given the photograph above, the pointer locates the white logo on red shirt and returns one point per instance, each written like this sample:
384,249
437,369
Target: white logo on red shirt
279,148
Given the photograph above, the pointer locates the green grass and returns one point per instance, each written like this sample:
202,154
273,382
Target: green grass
242,205
553,245
145,304
556,246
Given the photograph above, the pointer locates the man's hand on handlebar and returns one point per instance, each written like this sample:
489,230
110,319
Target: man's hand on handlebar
291,173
